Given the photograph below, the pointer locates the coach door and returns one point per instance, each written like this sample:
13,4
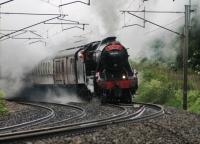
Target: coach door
59,71
71,70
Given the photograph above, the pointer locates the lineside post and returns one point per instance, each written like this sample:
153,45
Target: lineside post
185,57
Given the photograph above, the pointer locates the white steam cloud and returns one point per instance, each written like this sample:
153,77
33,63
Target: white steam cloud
16,60
108,12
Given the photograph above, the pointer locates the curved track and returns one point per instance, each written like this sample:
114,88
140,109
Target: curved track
81,113
50,114
44,121
144,112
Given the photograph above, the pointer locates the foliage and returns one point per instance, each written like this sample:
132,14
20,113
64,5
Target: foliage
154,86
161,85
3,109
155,91
194,101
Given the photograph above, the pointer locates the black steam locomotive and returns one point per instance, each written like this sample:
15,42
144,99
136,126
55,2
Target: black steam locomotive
100,68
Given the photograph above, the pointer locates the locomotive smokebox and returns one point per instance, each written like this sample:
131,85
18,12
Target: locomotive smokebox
114,56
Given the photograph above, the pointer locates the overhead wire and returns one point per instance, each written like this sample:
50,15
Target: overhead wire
6,2
179,18
48,2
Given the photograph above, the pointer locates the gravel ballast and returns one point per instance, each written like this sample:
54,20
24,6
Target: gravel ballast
20,113
175,127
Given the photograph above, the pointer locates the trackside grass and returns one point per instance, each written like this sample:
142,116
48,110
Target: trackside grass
3,109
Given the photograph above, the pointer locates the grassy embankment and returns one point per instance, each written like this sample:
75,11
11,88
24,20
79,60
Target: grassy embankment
3,109
162,85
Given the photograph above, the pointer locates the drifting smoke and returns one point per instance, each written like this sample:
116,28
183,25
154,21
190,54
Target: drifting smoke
108,12
47,94
17,60
62,96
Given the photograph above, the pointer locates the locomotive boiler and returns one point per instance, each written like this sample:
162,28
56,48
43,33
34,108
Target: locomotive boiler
100,68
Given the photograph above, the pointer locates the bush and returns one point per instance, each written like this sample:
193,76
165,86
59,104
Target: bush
194,101
155,91
176,100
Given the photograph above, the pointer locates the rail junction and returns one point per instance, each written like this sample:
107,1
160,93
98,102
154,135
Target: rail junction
79,118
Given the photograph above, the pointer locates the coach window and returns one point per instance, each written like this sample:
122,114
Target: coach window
45,69
57,67
48,67
42,68
62,66
37,73
38,69
72,64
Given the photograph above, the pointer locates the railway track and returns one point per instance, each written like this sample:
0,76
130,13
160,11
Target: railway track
143,112
50,114
80,112
46,120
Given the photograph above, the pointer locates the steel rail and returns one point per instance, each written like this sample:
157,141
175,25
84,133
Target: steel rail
44,119
136,117
159,108
82,114
36,121
49,130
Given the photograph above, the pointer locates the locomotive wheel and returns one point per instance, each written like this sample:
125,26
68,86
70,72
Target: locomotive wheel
104,97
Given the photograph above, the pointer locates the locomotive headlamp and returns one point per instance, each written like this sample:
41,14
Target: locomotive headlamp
123,77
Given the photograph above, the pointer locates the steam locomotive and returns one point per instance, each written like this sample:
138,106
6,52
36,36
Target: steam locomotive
100,68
